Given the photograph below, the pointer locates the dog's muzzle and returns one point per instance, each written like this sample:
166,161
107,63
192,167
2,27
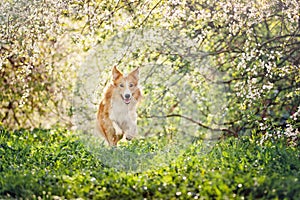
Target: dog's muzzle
127,98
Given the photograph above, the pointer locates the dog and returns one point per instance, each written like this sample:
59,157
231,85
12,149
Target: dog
117,115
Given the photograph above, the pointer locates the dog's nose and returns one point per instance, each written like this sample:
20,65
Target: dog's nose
127,96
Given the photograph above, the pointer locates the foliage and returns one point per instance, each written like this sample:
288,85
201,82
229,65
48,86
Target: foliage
247,51
35,75
56,164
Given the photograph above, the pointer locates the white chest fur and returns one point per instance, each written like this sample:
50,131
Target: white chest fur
123,114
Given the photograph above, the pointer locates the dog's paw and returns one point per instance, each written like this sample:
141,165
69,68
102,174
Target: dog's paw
129,137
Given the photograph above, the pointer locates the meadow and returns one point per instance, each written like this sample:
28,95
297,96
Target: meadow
58,164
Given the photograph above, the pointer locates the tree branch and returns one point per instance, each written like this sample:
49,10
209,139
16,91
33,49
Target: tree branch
146,18
195,122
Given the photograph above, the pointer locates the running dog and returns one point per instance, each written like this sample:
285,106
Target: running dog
117,111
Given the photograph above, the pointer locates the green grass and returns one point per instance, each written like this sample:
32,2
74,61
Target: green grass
54,164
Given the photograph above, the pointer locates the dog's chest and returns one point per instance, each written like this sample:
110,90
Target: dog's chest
120,112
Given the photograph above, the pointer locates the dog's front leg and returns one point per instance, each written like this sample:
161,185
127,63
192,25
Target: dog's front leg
118,130
131,132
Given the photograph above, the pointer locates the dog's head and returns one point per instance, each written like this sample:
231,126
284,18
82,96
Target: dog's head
126,85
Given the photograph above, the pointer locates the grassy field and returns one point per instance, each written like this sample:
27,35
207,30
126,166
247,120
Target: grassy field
58,164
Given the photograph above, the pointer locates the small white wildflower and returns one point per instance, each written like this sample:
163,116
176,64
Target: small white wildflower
178,193
93,179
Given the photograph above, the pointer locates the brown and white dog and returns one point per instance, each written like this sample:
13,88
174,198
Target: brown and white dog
117,111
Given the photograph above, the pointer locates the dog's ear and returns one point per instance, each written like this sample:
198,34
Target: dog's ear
135,73
116,73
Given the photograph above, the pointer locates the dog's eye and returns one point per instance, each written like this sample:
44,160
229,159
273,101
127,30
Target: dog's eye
130,85
121,85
